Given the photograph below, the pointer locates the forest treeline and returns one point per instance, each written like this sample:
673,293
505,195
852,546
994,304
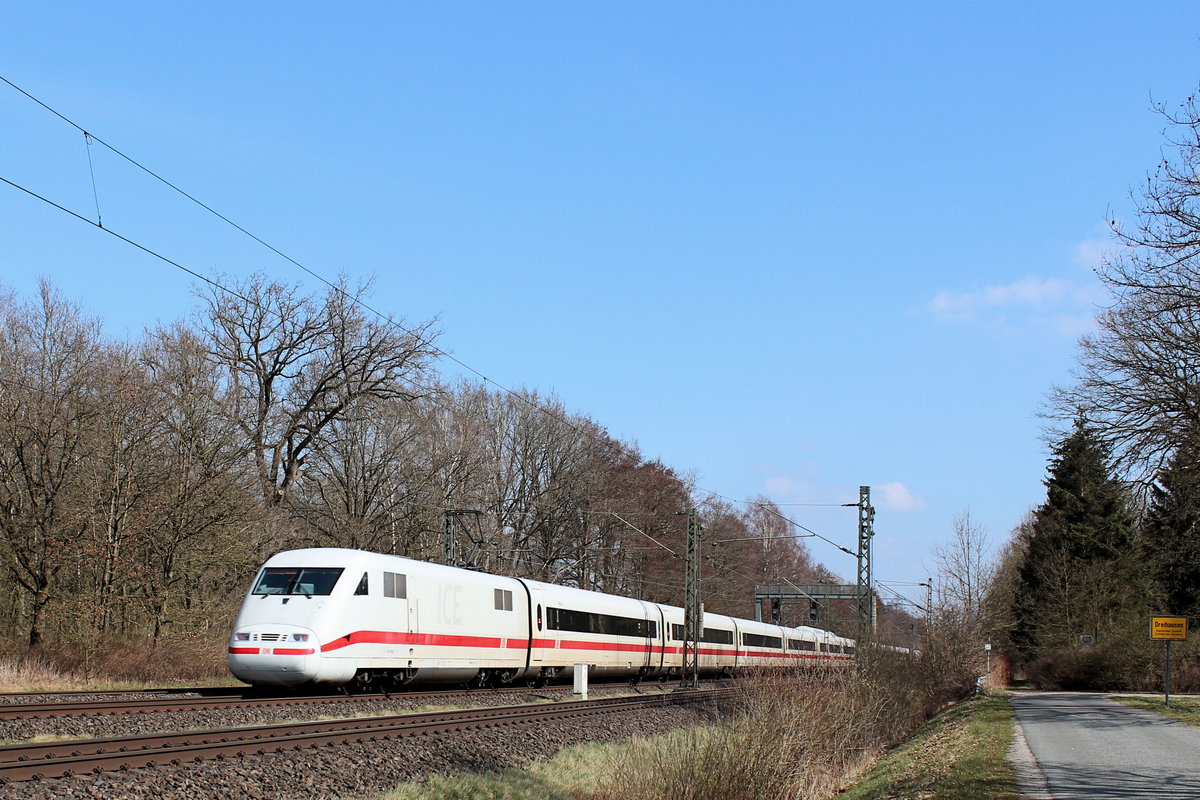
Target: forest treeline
1117,537
143,482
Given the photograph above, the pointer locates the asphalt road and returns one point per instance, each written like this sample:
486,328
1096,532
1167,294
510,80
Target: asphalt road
1089,747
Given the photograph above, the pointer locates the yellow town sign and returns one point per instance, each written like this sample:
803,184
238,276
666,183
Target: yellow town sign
1168,627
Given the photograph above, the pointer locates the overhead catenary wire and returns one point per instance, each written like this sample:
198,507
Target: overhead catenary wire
356,300
913,603
89,137
221,287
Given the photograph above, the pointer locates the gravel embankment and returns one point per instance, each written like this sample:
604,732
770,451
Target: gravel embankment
331,772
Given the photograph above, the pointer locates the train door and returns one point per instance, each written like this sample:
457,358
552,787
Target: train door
660,641
537,626
654,621
400,610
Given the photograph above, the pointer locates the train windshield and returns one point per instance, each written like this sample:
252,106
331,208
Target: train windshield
297,580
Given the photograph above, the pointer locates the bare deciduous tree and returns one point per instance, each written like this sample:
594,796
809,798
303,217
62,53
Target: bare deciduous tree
295,365
48,357
1138,376
959,625
199,519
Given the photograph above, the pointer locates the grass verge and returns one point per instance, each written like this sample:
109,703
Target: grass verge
785,735
961,754
1182,709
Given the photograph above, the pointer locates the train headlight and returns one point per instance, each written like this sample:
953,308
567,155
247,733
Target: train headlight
299,637
241,637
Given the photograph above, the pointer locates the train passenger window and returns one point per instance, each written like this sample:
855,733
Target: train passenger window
801,644
566,619
363,588
716,636
503,600
297,580
395,585
758,640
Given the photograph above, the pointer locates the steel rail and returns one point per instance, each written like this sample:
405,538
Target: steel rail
152,704
13,698
25,762
150,701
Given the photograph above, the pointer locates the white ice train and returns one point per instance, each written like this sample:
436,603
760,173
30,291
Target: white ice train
333,616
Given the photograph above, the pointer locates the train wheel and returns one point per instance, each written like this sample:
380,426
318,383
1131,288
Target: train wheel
395,680
363,682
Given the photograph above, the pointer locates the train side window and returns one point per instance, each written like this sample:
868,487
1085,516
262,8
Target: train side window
759,640
539,616
363,587
716,636
568,619
395,585
503,600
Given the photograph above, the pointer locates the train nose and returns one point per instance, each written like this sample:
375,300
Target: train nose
280,655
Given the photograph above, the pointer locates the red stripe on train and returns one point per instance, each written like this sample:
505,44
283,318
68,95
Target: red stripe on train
498,643
426,639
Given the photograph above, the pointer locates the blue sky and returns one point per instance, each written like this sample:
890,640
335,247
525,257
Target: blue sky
789,248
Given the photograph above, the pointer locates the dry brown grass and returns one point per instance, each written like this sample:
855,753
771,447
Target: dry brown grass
31,674
109,665
794,734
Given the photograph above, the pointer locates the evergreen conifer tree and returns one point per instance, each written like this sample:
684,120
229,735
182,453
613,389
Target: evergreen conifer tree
1080,573
1171,533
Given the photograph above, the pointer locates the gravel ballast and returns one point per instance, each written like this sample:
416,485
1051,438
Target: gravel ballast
337,771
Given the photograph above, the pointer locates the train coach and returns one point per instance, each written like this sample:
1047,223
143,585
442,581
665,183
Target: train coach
337,616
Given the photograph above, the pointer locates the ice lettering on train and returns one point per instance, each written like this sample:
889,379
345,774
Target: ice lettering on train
450,607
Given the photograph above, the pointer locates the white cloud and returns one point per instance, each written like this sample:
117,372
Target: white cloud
1091,253
1061,304
1028,293
1052,303
899,499
786,487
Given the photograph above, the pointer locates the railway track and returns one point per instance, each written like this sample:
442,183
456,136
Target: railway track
7,698
67,704
24,762
158,704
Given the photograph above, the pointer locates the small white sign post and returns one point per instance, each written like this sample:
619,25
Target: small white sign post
581,681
